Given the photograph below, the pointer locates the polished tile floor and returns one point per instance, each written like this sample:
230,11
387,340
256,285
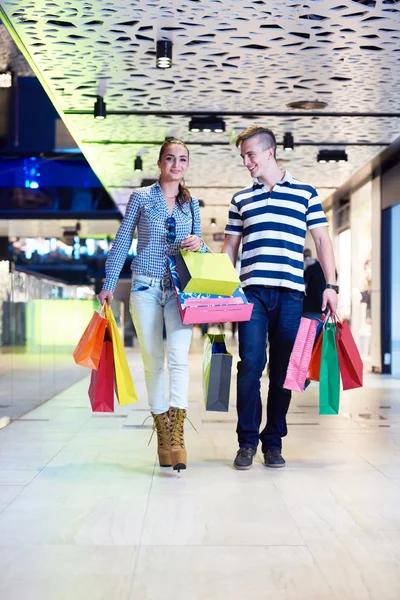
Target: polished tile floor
86,513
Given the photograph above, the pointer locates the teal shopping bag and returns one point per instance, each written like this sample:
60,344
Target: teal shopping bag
329,379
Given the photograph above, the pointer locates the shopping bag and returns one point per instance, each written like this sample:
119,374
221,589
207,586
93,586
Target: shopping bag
329,386
206,273
88,351
209,308
315,363
125,388
101,388
296,373
350,363
217,367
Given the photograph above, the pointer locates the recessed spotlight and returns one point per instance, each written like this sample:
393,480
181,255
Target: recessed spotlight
207,124
164,54
332,156
100,110
288,142
307,105
213,222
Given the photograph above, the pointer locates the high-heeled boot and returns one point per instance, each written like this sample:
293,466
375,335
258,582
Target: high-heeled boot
162,427
178,450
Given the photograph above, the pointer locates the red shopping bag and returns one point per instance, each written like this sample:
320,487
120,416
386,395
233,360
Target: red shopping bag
301,354
88,351
101,388
315,362
350,363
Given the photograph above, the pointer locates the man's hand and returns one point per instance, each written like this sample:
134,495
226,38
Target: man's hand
330,300
105,296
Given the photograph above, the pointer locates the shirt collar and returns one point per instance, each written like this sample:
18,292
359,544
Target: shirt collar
286,179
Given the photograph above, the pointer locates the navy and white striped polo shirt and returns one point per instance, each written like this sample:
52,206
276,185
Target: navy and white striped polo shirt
273,226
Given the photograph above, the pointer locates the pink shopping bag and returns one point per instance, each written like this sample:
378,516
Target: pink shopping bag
296,373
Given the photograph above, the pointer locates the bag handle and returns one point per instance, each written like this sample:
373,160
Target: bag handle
219,329
192,233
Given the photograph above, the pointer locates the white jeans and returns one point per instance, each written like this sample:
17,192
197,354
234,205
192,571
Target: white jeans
153,303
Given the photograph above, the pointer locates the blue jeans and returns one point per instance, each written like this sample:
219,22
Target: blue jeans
152,303
276,317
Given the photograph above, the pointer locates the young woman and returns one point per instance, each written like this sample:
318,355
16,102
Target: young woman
167,218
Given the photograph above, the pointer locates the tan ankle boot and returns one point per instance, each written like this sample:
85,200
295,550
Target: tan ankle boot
178,450
162,426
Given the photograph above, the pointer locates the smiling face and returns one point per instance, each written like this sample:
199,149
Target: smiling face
173,162
256,156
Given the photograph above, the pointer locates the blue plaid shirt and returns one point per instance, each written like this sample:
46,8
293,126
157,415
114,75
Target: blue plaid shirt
148,211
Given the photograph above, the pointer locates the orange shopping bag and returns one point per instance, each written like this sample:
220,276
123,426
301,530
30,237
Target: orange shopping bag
88,351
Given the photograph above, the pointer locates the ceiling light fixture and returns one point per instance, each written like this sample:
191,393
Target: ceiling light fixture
100,111
213,222
307,105
288,142
138,164
6,79
164,54
207,124
332,156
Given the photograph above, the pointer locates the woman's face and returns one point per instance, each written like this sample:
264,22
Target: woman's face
174,162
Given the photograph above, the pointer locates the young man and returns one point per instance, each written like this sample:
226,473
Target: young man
270,218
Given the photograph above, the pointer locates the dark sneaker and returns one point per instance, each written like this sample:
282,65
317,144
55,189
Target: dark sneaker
244,458
273,458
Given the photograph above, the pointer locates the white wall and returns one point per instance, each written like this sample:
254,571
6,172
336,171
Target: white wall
395,275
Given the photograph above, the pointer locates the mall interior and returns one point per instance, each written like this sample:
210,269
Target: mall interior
88,93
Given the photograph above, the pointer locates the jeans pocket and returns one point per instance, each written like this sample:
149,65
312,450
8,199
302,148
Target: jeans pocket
139,286
295,295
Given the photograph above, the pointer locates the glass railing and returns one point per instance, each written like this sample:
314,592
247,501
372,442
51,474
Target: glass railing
41,321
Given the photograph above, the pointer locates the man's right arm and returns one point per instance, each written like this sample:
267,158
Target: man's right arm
231,247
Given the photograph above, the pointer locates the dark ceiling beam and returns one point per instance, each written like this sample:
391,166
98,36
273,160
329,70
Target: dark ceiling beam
219,143
222,113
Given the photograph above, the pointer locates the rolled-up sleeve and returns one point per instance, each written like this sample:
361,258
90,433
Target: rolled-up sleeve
122,243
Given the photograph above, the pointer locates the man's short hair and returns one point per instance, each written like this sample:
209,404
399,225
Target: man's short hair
307,253
266,134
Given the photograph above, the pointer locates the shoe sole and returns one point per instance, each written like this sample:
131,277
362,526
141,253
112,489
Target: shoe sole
274,466
242,468
165,466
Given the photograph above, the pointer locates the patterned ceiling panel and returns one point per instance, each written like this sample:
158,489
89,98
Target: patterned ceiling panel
242,55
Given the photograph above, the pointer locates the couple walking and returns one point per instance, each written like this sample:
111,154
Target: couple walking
270,218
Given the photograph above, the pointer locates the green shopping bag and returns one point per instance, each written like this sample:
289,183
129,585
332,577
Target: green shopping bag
329,378
206,273
217,367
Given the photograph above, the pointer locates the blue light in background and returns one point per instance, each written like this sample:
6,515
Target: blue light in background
31,171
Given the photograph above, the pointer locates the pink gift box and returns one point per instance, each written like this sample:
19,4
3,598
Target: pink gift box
207,308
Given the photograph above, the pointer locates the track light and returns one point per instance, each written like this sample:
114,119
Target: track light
288,142
332,156
164,54
100,111
207,124
213,222
138,164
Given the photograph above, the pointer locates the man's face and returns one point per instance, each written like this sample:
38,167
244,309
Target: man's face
256,157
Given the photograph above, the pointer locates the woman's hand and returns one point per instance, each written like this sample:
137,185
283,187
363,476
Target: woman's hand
105,296
191,243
